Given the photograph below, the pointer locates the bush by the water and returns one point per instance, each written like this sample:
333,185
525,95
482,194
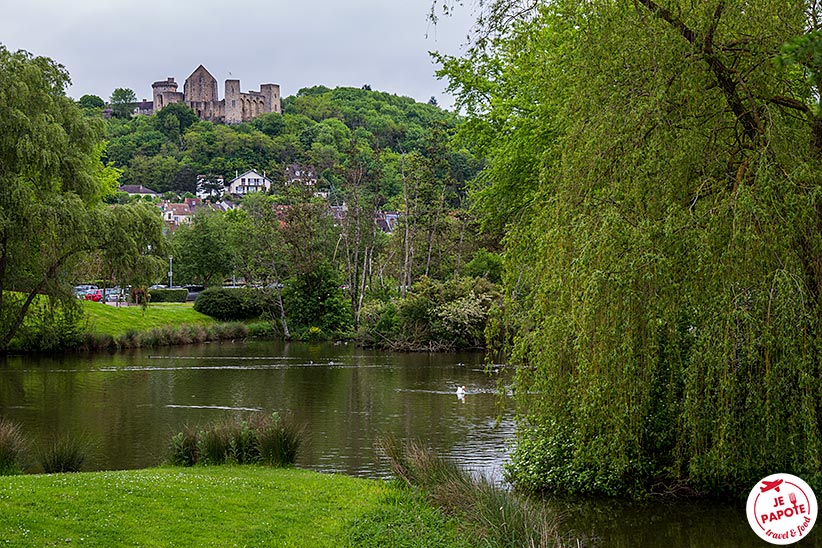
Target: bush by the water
434,315
227,304
168,295
64,454
315,304
12,448
270,440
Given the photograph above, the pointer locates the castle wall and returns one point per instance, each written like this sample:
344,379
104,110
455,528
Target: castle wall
200,94
160,90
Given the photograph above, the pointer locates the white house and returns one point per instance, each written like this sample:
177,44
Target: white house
248,182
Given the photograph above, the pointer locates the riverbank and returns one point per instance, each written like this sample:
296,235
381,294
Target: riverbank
118,320
216,506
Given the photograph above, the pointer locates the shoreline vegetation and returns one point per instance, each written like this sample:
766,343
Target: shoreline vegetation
433,316
219,475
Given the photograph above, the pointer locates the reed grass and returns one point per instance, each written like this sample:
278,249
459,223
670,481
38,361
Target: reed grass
64,454
497,517
12,448
271,440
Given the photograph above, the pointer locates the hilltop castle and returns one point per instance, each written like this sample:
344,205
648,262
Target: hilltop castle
200,93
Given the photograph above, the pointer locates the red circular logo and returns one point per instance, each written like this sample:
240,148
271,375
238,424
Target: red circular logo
782,509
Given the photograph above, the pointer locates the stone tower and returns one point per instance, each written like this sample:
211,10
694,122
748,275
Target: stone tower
233,102
271,92
200,92
165,93
200,87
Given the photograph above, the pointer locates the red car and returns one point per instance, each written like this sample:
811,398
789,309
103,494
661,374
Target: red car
95,296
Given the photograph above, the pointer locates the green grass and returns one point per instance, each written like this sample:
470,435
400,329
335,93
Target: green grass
118,320
215,506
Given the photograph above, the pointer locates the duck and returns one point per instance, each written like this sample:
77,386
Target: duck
460,391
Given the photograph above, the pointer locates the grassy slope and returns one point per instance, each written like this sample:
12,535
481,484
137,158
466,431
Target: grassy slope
116,320
217,506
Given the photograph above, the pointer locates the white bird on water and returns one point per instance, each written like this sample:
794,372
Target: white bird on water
460,392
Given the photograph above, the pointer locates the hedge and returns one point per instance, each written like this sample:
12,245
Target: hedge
168,295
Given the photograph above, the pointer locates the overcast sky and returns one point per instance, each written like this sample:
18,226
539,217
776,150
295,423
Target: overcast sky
106,44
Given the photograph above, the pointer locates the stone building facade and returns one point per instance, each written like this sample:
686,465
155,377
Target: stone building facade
201,94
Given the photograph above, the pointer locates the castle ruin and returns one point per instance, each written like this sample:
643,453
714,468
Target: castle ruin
200,94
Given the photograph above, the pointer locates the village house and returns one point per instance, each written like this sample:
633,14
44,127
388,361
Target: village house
137,190
305,175
175,214
249,182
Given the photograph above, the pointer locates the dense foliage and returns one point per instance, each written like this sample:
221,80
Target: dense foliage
229,304
52,219
433,315
166,151
316,268
656,168
168,295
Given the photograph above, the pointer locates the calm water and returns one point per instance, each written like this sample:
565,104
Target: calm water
130,403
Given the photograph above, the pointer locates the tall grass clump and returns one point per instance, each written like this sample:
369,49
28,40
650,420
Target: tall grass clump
497,517
269,440
12,448
184,448
64,454
279,439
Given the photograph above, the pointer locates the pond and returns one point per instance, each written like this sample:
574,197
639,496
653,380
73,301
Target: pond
129,404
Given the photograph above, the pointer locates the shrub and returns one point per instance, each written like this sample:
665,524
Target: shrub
215,443
434,315
267,440
168,295
184,448
64,454
229,304
261,330
12,448
485,264
315,299
279,440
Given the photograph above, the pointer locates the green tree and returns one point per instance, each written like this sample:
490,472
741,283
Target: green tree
122,101
263,258
91,102
658,184
52,218
173,120
202,249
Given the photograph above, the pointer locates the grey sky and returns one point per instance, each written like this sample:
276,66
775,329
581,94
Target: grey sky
106,44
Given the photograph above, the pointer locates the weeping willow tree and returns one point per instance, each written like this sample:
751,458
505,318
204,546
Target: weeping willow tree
655,166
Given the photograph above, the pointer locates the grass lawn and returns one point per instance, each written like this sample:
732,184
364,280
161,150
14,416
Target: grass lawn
116,320
215,506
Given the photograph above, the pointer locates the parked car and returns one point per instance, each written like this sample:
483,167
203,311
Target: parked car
80,291
95,295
